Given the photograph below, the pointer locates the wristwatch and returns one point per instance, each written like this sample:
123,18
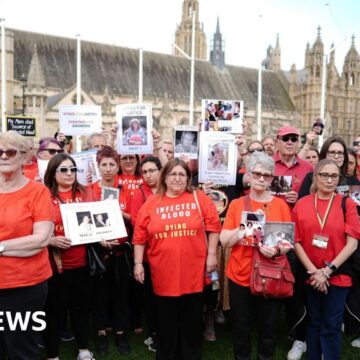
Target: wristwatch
2,249
331,266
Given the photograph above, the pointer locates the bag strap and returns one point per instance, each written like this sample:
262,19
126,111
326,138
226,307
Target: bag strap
202,219
343,206
247,203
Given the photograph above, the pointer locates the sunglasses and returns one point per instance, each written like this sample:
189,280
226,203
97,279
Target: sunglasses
53,151
10,153
286,138
257,150
356,143
65,170
258,175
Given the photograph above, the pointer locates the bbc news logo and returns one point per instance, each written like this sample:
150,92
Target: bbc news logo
22,320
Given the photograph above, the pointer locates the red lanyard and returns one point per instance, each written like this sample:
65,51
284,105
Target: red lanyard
322,222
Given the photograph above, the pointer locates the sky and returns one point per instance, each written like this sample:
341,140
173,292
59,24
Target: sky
248,27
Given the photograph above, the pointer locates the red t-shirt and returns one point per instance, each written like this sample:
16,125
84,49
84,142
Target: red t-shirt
31,170
75,256
130,182
299,169
173,230
307,224
19,211
137,200
239,266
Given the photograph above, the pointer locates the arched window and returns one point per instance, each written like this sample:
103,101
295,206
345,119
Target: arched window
352,79
317,74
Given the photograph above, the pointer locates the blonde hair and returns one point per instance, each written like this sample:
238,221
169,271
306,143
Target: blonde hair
318,168
12,138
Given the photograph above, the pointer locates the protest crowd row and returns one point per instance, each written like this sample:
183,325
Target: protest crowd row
224,231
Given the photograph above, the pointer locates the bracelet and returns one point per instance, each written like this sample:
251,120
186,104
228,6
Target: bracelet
138,263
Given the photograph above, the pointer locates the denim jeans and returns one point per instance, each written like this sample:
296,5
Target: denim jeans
325,318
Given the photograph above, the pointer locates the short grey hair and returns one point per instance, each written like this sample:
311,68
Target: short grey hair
261,158
92,136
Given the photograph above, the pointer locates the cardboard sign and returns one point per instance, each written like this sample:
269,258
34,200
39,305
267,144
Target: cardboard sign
80,120
23,125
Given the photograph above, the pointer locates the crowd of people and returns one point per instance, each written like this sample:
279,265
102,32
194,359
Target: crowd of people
183,264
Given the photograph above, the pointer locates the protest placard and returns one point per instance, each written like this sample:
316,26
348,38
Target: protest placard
80,120
92,221
86,164
23,125
217,158
134,129
186,141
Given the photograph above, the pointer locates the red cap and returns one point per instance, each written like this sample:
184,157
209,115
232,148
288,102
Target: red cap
287,129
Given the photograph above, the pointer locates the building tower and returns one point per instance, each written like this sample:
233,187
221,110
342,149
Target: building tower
217,54
273,57
351,68
183,32
314,60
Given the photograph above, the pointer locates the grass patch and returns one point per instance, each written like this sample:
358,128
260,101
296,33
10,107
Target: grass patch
221,349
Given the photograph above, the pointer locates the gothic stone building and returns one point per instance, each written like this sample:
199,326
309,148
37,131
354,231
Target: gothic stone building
110,77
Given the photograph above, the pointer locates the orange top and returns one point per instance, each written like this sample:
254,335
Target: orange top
239,266
31,170
173,230
19,211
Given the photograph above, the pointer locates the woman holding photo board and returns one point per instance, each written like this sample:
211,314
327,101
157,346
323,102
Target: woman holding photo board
69,288
242,303
116,280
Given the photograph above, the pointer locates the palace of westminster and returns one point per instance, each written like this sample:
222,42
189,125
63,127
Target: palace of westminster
41,76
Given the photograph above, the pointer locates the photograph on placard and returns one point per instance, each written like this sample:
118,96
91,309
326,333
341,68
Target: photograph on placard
219,199
251,228
279,234
281,185
109,193
217,158
79,120
42,166
86,161
134,129
186,141
93,221
222,115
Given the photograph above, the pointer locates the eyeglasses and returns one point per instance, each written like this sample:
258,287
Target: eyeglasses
257,150
286,138
326,176
333,153
65,170
10,153
150,171
180,175
128,158
356,143
258,175
53,151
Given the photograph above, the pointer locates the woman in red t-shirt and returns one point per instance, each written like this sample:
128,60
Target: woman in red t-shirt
244,305
26,225
172,224
129,172
116,280
69,288
324,240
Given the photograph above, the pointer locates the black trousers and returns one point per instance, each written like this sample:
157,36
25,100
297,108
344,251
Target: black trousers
245,309
112,295
18,344
69,290
180,327
150,302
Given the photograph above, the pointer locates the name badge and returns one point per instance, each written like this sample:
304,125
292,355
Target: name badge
320,241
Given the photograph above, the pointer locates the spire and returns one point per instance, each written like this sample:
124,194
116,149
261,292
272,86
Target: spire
217,53
218,26
318,34
277,46
353,41
35,75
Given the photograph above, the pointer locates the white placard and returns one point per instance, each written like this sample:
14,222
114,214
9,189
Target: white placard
82,171
217,160
42,166
93,221
89,157
80,120
222,115
186,141
134,129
